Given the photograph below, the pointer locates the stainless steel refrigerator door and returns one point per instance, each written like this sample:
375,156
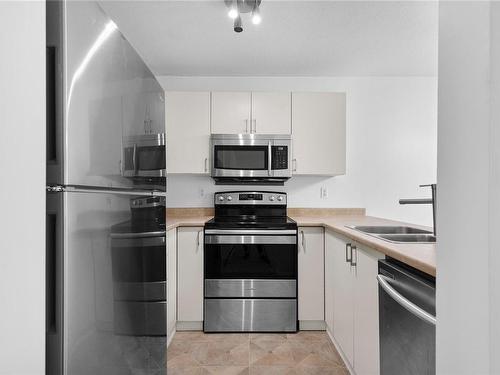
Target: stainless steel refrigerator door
102,91
90,343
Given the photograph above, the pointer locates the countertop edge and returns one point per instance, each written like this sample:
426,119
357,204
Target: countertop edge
364,239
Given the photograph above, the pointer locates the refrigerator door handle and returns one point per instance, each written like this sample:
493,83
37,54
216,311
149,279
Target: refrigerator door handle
101,189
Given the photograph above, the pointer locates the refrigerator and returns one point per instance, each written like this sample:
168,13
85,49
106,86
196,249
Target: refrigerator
100,94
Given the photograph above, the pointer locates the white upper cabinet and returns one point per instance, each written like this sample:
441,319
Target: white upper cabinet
188,124
231,112
319,133
256,112
271,112
310,275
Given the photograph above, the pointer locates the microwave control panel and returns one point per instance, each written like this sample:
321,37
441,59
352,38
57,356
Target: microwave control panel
279,157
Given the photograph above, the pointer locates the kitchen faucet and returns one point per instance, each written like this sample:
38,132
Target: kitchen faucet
432,201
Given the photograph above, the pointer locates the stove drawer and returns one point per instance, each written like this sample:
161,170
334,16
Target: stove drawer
250,315
250,288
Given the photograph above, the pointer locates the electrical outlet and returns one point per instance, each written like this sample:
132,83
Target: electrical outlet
202,193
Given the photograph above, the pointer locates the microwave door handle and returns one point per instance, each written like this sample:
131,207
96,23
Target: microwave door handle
269,159
134,158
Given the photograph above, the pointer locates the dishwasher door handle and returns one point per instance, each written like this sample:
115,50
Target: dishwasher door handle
408,305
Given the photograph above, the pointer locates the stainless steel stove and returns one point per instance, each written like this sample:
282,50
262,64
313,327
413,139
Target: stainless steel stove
250,264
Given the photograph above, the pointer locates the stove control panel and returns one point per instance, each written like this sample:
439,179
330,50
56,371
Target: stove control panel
250,198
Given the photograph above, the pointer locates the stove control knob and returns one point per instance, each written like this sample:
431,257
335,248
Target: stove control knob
272,198
280,198
221,198
229,198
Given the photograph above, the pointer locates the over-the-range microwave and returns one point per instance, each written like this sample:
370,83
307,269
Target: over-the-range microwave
250,158
144,156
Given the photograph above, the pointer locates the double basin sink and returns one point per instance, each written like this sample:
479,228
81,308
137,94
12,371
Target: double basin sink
397,234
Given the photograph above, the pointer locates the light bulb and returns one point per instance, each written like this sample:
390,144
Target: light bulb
256,18
233,10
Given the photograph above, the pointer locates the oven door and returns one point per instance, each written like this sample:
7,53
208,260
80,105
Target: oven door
250,254
139,266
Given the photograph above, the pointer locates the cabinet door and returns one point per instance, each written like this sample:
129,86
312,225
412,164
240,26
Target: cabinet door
171,282
188,131
310,273
329,279
366,328
271,112
343,299
190,274
318,133
231,112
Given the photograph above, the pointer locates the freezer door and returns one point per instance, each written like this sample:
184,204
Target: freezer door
99,92
101,332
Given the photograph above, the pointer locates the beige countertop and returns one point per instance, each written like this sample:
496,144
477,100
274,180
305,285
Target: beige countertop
420,256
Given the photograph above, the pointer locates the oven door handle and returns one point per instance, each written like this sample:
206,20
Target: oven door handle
250,240
402,301
251,231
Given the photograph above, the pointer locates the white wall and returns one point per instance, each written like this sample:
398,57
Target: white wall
468,300
494,205
22,191
391,144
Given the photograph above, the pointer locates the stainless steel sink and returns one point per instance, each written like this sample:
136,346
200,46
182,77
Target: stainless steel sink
409,238
386,229
397,234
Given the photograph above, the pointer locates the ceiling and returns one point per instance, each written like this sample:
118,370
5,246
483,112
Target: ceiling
295,38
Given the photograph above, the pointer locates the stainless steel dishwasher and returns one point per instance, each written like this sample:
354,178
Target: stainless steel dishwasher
407,309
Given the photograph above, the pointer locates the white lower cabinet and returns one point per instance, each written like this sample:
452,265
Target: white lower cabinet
329,281
311,287
366,339
189,278
352,308
171,283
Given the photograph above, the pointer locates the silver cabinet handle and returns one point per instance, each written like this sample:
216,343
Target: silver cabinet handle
348,253
303,241
254,125
246,126
198,241
354,252
206,165
408,305
294,162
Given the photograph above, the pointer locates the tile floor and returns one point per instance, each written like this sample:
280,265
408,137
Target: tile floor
305,352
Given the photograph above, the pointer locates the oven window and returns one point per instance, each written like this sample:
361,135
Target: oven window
236,261
138,263
241,157
151,158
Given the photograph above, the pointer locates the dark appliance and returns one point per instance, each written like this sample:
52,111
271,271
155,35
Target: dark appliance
139,269
407,309
250,264
251,158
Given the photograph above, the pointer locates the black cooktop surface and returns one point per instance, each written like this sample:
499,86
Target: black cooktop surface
251,222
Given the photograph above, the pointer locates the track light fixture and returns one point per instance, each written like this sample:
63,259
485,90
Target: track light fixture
237,7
